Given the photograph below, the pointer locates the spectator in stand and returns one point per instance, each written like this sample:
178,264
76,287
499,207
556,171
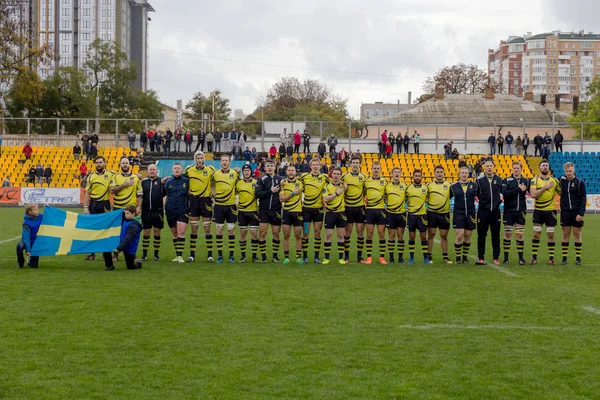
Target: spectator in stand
545,151
177,137
399,143
509,139
27,150
281,152
95,139
166,142
381,149
233,136
77,151
306,141
158,142
85,137
188,139
6,182
273,151
324,169
405,142
263,155
297,141
558,141
226,141
332,142
461,161
454,154
333,155
307,158
290,150
247,155
253,153
257,173
83,171
537,143
417,141
210,140
447,151
500,143
284,136
358,154
478,168
343,157
388,150
519,145
218,136
31,174
253,164
321,150
392,140
384,137
151,139
201,141
283,167
94,151
143,139
48,175
131,139
305,167
525,144
492,143
242,139
39,174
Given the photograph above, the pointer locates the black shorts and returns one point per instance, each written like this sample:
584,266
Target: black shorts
313,214
172,220
356,215
335,220
201,207
417,223
376,217
99,207
270,217
514,218
395,221
438,220
225,214
548,218
247,218
153,219
293,218
466,222
567,218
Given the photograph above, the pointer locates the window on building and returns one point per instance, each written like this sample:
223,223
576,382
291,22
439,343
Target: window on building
390,112
86,24
65,24
87,12
587,45
378,112
65,12
369,113
85,36
516,65
516,82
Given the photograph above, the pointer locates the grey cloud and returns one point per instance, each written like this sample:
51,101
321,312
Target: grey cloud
573,15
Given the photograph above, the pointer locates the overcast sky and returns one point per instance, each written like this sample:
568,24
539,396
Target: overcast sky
365,51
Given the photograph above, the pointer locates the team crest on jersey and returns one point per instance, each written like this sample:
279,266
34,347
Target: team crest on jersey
445,187
320,180
381,183
205,173
155,183
470,186
360,179
423,191
184,185
572,185
105,177
297,185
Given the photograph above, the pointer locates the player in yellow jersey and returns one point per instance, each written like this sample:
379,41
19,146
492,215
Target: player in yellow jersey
126,187
416,196
355,207
225,210
97,200
543,188
314,182
438,212
200,176
374,192
247,212
335,217
395,194
291,196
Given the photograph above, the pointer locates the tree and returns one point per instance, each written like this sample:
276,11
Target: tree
201,105
458,79
589,112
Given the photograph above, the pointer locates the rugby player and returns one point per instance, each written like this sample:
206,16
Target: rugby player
464,217
438,212
225,210
176,208
314,182
335,216
395,193
374,192
247,212
488,215
572,211
416,197
153,214
514,189
291,196
355,207
269,209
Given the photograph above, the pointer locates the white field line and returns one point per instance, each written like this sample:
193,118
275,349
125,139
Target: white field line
490,327
591,309
496,267
9,240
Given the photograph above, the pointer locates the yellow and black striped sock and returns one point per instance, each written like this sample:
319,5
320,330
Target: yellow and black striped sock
347,247
193,244
520,248
209,245
262,248
254,247
507,244
286,254
305,247
341,249
276,244
445,256
175,245
424,247
466,248
360,244
369,248
220,245
243,248
298,254
156,245
458,251
578,250
401,244
145,246
317,246
391,247
327,249
382,246
551,246
231,244
411,248
181,243
535,247
565,250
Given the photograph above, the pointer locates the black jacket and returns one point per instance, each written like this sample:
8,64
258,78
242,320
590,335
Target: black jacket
514,197
177,196
153,194
573,195
77,149
558,138
321,149
201,137
488,193
306,138
48,172
464,202
267,200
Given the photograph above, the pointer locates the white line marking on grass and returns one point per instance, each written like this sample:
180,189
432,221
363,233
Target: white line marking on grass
10,240
591,309
496,267
491,327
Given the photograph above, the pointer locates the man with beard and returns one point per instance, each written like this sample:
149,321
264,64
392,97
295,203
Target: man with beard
395,193
97,200
176,209
438,212
269,209
153,215
374,192
416,197
488,215
543,189
225,210
247,212
126,188
355,207
514,189
314,183
291,197
336,219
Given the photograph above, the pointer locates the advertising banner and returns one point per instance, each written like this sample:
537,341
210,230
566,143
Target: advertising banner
51,195
10,195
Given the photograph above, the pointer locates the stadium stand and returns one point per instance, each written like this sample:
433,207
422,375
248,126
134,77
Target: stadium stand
587,167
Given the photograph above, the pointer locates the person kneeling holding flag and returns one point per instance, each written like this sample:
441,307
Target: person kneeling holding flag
130,237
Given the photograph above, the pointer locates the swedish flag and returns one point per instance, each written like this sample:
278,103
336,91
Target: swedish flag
64,232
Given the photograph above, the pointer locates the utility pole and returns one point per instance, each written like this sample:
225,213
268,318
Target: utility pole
213,112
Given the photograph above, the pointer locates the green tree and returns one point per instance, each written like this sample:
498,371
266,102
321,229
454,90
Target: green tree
589,112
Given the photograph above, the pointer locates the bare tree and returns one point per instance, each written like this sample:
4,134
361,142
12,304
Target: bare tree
459,79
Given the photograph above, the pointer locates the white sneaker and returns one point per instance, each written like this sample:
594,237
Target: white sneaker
210,259
180,259
175,259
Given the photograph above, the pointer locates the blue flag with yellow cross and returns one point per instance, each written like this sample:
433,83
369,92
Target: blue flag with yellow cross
63,232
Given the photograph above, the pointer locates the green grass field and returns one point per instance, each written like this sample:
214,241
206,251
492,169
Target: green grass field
69,330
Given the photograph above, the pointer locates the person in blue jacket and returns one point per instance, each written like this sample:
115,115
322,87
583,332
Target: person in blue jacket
31,225
130,237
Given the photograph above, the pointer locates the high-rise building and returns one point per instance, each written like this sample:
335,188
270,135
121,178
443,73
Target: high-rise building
555,64
70,26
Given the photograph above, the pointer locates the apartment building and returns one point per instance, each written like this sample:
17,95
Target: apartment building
374,111
70,26
555,64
